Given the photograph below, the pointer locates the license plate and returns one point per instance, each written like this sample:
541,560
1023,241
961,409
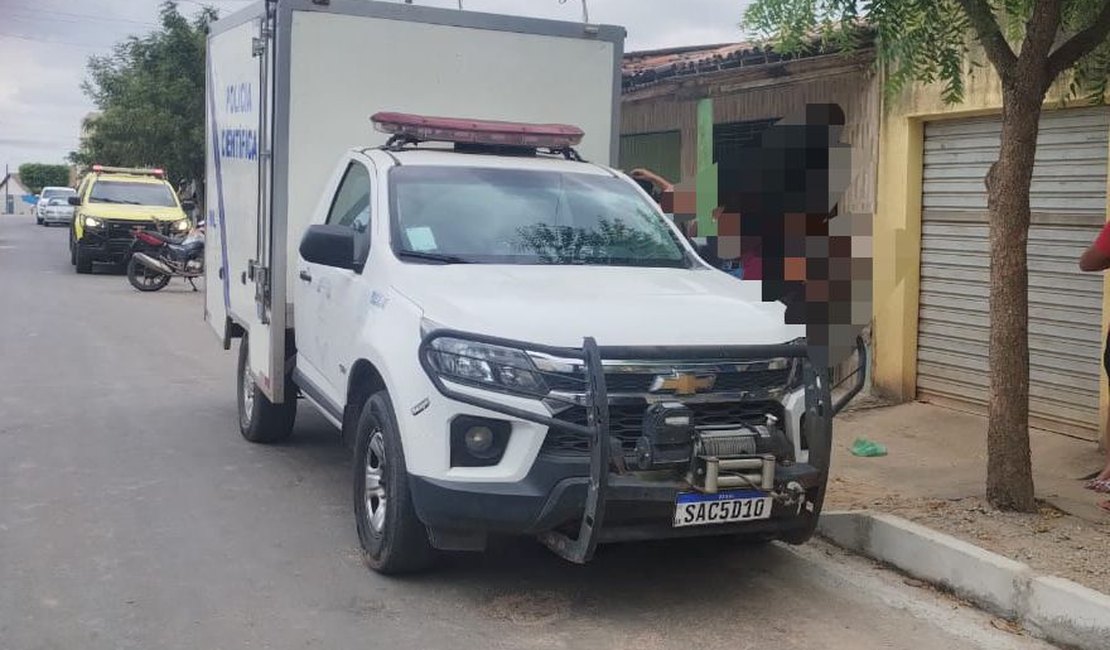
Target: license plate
697,509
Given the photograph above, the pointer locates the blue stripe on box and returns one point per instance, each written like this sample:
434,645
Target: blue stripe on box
698,497
226,275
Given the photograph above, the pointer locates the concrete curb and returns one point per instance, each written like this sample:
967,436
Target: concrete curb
1052,608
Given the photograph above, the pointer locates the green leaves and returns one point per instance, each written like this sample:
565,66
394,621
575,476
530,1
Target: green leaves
150,96
927,41
36,176
914,40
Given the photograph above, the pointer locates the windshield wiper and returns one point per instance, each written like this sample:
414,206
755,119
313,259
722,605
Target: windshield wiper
432,257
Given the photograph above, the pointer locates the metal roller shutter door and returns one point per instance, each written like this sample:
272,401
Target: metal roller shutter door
1068,201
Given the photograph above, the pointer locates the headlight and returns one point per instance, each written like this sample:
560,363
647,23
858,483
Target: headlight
181,226
480,363
93,222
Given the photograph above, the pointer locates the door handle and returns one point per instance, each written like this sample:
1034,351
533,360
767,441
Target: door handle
305,275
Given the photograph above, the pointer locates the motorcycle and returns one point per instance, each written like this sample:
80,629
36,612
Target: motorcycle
157,258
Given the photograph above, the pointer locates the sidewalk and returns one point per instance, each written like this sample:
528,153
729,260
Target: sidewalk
934,474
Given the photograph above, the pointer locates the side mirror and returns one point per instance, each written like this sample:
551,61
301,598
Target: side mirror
74,200
329,245
188,206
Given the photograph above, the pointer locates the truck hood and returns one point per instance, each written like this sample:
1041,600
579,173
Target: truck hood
132,212
559,305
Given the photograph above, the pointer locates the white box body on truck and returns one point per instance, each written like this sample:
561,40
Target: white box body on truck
512,339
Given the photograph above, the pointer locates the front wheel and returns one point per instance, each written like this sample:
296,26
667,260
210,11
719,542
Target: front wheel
81,259
144,278
260,420
393,539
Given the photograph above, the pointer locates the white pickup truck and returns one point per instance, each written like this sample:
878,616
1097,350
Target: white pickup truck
512,339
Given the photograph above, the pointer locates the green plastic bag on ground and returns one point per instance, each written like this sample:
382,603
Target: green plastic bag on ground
867,448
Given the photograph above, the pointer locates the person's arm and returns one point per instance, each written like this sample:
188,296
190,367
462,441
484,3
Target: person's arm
1097,255
655,179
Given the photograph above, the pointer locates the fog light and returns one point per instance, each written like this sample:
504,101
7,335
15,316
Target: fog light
478,440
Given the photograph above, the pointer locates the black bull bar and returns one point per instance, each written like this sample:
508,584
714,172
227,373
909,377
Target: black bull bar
820,407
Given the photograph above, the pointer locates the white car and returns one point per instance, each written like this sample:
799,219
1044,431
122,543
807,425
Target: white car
55,211
445,320
46,195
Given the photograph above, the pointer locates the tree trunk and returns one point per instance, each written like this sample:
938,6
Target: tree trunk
1009,467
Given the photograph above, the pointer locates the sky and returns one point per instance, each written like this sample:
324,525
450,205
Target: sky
45,44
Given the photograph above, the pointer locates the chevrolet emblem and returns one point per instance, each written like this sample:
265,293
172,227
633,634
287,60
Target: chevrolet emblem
681,383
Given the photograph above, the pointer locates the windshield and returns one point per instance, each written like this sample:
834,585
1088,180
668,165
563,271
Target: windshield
51,192
510,216
157,194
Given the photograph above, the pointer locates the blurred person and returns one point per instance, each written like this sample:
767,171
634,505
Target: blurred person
1097,258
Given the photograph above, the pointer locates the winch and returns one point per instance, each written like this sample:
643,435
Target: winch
715,457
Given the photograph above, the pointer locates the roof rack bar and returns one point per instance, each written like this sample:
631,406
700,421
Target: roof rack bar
129,170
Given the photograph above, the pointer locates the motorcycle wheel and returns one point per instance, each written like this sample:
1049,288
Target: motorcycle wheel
144,278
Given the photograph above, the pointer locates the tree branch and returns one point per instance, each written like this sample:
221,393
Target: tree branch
990,35
1081,44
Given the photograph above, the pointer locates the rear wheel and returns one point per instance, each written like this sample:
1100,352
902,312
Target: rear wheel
260,420
144,278
81,259
393,538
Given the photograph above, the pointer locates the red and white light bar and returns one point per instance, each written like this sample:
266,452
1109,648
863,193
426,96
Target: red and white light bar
128,170
490,132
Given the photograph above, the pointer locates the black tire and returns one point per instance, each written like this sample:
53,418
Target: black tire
143,278
260,420
72,251
38,220
393,539
81,260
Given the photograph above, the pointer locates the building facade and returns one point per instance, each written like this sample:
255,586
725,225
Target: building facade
931,259
684,110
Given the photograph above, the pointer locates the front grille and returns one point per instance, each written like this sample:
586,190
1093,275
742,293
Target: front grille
632,382
119,229
626,422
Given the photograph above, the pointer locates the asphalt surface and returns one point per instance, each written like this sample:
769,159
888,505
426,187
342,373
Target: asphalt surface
132,515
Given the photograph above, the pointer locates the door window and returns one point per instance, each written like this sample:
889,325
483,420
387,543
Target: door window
351,206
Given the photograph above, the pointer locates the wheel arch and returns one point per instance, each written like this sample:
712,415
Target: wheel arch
363,381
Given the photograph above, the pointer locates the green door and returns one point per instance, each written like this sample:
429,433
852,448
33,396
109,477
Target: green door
659,152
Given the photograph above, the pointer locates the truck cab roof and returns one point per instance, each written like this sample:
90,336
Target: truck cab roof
446,157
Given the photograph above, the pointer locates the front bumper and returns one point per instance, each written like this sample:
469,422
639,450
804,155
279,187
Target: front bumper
553,494
105,250
573,504
113,241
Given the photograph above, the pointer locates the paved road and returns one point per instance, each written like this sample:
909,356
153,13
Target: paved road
132,515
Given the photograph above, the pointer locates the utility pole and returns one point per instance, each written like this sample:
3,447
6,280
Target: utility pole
7,187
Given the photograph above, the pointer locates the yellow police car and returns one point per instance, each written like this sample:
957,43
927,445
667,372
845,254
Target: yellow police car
111,202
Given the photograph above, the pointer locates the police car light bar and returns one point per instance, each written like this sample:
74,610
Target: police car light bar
488,132
128,170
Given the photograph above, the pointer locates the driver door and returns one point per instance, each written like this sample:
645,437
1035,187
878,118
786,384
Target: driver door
322,309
